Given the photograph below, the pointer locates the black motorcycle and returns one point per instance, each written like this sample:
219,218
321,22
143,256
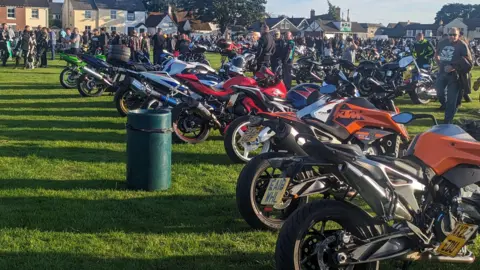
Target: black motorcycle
196,54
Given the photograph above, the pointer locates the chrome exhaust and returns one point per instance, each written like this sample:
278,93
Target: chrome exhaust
417,256
203,111
97,76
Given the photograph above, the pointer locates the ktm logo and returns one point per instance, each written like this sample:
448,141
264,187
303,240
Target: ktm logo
350,115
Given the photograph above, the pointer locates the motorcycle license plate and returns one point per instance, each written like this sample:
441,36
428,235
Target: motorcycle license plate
250,135
232,100
457,239
275,190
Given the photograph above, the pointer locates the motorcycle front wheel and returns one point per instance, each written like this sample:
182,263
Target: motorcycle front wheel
68,78
126,100
188,126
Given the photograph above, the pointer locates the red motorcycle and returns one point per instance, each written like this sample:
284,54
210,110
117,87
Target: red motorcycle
216,105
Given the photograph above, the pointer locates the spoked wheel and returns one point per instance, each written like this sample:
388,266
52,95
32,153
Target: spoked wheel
252,185
68,78
188,126
417,96
90,87
240,149
126,100
313,236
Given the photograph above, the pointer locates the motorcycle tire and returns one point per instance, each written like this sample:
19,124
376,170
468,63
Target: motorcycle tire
246,191
206,62
230,143
86,88
478,61
64,79
177,113
119,53
417,100
121,104
290,240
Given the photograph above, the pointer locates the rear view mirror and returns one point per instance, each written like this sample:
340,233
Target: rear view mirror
328,89
403,118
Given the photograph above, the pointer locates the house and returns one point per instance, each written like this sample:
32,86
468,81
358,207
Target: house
470,27
157,21
300,23
197,28
331,29
371,28
275,24
141,28
19,13
428,30
115,15
55,12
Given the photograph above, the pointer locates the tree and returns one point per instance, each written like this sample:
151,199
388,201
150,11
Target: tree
227,12
332,11
450,12
160,5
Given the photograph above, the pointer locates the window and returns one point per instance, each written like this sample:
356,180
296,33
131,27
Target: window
35,13
478,29
130,30
418,32
142,30
171,24
88,28
409,33
88,14
113,28
56,16
12,26
10,12
428,33
131,16
113,14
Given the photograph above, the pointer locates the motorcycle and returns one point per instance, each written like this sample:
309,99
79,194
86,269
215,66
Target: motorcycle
71,73
196,54
192,123
427,204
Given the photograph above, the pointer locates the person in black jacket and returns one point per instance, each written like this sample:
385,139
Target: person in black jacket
319,45
159,43
265,49
276,57
183,45
4,37
103,39
95,41
287,55
42,48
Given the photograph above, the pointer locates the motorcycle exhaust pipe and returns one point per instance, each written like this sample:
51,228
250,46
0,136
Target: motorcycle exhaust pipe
97,76
417,256
204,112
286,135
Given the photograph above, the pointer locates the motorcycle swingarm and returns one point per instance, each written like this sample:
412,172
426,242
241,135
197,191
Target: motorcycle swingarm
310,187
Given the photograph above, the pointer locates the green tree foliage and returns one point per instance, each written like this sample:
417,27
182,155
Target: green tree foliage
332,11
449,12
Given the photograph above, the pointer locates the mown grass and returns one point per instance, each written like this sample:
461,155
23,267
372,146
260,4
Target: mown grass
63,202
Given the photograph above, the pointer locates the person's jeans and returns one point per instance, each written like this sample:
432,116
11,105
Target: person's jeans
53,51
287,74
156,56
448,82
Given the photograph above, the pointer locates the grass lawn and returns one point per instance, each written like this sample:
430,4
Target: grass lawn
63,203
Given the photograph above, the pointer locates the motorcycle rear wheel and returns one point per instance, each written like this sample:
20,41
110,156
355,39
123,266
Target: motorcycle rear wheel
89,87
67,79
198,134
126,100
251,187
416,99
300,236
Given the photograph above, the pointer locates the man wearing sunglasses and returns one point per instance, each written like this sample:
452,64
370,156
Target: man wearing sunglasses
455,62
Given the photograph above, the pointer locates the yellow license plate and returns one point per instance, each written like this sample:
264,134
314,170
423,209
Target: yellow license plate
457,239
250,135
275,191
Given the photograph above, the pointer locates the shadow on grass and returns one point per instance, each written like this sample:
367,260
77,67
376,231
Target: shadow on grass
32,86
68,124
40,97
61,135
90,103
7,184
158,214
49,260
67,113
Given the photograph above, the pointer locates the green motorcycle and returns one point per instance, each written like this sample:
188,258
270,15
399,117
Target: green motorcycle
73,70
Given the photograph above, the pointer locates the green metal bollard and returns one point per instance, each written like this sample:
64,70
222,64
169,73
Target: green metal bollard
149,150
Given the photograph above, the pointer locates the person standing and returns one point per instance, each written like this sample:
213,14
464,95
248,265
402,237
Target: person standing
42,48
66,40
183,45
146,45
349,50
85,40
467,90
95,41
455,61
265,48
135,46
4,38
287,55
115,38
76,39
277,56
52,36
423,51
103,39
159,43
319,45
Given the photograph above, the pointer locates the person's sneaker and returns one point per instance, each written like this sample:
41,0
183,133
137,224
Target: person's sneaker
467,98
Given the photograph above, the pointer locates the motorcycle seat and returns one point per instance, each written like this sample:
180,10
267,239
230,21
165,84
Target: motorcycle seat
334,129
391,66
401,164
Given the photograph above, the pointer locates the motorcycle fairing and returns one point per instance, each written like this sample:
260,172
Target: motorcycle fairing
462,176
445,147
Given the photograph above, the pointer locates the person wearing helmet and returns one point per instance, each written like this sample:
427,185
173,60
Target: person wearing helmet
266,48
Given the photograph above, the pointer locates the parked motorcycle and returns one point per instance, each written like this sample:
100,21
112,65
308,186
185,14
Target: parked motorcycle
427,204
71,73
196,54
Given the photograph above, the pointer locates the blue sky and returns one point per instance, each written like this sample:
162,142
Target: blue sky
372,11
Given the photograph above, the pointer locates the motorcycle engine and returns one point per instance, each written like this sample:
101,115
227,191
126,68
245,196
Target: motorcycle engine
468,204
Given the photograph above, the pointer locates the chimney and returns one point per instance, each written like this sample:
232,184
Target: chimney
408,22
348,15
338,12
312,14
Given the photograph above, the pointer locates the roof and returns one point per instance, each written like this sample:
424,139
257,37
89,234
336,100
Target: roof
324,17
472,23
366,25
357,28
419,26
56,8
296,21
182,16
328,26
25,3
83,4
154,19
271,22
200,26
391,25
129,5
331,28
396,32
140,24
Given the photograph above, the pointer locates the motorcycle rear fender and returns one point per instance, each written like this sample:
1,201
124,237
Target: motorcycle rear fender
463,175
